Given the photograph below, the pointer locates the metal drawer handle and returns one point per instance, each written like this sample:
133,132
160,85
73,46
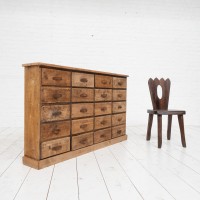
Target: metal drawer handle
57,78
120,83
56,113
56,131
119,132
56,96
103,122
104,82
103,109
83,125
84,80
57,148
83,95
103,95
119,107
119,95
83,141
119,119
83,110
102,136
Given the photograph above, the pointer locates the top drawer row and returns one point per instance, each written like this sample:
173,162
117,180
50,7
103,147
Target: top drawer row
63,78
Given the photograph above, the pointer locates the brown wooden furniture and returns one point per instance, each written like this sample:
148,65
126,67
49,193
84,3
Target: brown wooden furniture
71,111
160,107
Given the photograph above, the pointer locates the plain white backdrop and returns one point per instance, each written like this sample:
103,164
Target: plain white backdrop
140,38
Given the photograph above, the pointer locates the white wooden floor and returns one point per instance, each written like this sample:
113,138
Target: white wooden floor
134,169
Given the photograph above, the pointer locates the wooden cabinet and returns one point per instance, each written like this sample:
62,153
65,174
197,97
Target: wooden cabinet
71,111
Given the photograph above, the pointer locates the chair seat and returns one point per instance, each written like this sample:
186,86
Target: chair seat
166,112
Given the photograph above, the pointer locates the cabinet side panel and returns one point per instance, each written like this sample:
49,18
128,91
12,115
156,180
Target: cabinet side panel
32,112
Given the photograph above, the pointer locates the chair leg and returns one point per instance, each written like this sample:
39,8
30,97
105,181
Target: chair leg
181,125
149,127
169,127
159,131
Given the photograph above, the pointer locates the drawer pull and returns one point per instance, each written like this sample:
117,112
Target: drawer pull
83,141
56,96
103,109
103,95
56,113
57,148
119,132
83,110
56,131
83,125
119,95
119,83
104,82
103,122
119,107
119,119
102,136
83,95
57,78
84,80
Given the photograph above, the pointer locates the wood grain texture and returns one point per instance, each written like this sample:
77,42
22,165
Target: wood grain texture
103,108
82,140
118,131
55,95
119,95
82,110
119,107
54,130
103,81
55,112
56,77
82,125
102,135
103,95
32,112
102,122
118,119
119,82
82,95
54,147
82,79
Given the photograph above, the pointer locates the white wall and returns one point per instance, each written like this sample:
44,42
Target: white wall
141,38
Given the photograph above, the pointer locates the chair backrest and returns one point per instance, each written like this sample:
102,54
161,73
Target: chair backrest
159,103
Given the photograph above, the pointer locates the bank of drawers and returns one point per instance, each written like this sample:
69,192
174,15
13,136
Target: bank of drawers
79,110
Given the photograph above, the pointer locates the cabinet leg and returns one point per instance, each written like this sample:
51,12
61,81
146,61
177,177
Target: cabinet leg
159,131
149,127
169,126
181,125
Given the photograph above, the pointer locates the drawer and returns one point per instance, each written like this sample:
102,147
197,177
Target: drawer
82,80
103,95
119,82
55,130
102,135
103,81
118,119
82,110
54,147
119,95
118,131
119,107
102,122
103,108
82,95
82,140
55,112
56,77
55,95
82,125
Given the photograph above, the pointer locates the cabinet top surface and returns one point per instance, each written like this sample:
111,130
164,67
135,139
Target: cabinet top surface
40,64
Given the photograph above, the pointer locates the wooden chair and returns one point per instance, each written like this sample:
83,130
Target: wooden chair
160,107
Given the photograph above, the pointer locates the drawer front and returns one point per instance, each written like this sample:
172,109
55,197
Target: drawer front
119,107
118,119
54,130
119,82
102,135
119,95
82,80
103,108
82,140
55,95
102,122
103,95
82,95
55,112
82,110
54,147
118,131
103,81
82,125
56,77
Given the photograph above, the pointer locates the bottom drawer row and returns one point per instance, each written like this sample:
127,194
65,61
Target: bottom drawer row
62,145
